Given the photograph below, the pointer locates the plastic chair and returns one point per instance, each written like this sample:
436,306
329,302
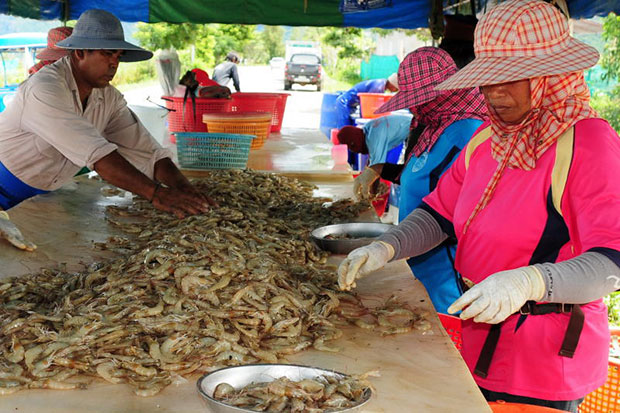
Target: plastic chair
505,407
606,399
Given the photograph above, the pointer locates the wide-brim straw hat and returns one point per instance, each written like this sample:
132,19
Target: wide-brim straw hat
53,52
100,30
418,75
522,39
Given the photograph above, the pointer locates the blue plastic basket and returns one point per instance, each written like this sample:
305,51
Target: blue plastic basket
201,150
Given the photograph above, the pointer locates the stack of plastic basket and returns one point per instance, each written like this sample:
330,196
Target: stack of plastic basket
201,150
246,123
369,102
187,117
606,399
274,103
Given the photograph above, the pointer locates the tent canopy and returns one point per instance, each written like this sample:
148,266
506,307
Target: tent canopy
406,14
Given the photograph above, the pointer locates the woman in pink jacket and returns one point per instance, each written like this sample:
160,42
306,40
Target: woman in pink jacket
534,202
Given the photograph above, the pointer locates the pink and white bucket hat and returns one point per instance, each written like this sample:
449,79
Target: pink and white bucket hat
53,52
522,39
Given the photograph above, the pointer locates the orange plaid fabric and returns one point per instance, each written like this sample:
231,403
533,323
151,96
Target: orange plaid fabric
522,39
557,101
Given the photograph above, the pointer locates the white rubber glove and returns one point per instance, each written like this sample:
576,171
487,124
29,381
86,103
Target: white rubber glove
362,261
9,231
362,184
500,295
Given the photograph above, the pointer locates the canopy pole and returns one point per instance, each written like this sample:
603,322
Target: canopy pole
66,11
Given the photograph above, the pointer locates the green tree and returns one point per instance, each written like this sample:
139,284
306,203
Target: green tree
422,34
611,54
231,37
212,42
155,36
349,41
272,39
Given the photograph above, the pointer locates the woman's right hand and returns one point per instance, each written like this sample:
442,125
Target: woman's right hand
362,261
362,184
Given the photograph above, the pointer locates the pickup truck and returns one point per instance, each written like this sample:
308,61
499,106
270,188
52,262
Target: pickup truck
303,69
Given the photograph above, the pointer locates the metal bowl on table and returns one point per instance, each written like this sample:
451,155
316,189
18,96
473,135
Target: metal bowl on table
241,376
344,238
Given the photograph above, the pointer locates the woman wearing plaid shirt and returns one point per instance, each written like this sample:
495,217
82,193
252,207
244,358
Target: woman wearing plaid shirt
534,202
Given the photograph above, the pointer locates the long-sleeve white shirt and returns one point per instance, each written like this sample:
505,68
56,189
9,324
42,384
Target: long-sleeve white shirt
46,136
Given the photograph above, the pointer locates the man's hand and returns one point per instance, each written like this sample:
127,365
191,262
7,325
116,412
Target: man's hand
362,184
362,261
181,202
500,295
188,188
9,231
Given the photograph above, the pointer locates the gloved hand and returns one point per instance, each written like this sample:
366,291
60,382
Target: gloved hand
362,184
363,261
500,295
9,231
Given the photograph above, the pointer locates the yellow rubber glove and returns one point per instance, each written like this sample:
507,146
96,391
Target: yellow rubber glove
9,231
362,261
500,295
362,184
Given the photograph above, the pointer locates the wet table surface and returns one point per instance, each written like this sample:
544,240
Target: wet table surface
419,372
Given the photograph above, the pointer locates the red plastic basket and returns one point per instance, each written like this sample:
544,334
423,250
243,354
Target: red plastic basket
278,114
275,103
369,102
453,328
180,120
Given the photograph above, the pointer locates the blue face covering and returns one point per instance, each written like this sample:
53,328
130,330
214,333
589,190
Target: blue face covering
13,191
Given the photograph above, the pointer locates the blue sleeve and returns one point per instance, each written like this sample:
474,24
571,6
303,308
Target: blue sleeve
370,86
385,133
343,108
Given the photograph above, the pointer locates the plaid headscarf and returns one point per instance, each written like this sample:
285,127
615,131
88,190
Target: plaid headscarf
418,75
38,66
443,111
557,103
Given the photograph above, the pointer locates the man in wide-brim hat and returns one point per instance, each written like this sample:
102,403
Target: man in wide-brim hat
68,117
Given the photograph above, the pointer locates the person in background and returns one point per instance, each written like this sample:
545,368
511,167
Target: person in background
227,70
443,122
68,116
208,88
52,53
375,139
348,102
458,38
534,202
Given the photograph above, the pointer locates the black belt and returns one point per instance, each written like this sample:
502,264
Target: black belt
569,344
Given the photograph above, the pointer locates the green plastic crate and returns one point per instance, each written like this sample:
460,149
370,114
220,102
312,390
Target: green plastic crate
201,150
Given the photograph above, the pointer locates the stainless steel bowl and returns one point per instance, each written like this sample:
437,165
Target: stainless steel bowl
241,376
362,233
